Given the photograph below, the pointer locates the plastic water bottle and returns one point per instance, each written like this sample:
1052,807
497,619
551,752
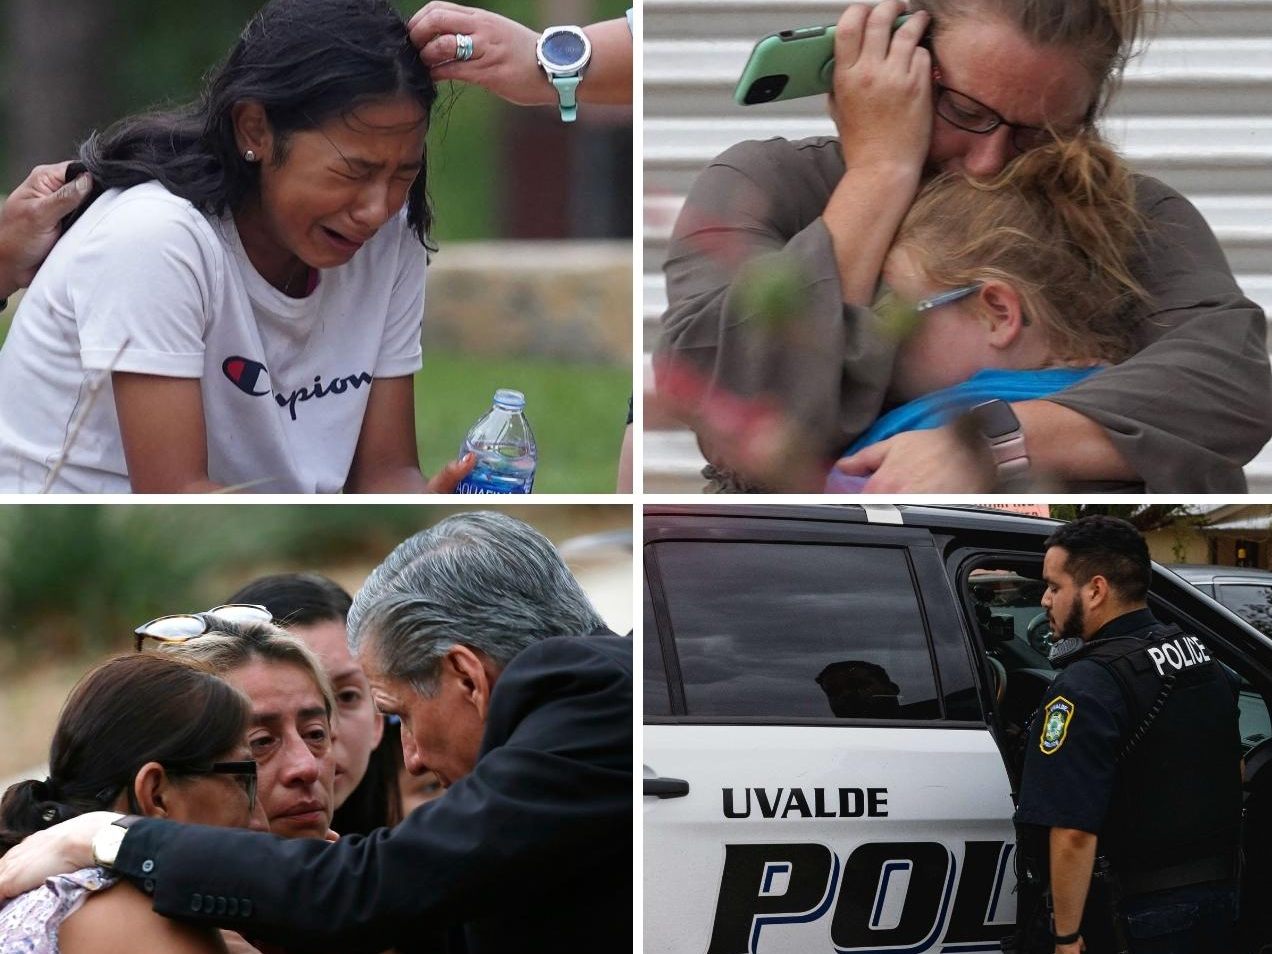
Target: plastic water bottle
504,445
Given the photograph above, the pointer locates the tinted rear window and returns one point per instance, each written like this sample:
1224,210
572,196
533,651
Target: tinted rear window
797,631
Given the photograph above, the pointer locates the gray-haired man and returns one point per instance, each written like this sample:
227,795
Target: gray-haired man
511,689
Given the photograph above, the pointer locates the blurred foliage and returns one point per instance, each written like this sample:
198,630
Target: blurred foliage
75,578
1144,517
161,51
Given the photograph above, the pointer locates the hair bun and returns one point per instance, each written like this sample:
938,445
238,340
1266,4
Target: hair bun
29,807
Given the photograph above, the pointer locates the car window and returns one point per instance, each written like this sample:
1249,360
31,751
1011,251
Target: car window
797,631
1251,601
1013,625
1256,725
657,700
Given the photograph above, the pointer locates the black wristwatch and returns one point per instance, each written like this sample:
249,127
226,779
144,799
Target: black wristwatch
998,424
1065,938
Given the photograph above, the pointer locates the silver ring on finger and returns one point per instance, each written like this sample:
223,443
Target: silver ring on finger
463,46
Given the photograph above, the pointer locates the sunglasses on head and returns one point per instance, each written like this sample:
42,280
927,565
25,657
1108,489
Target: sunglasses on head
182,627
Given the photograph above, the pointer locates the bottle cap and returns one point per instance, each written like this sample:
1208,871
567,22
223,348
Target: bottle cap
510,399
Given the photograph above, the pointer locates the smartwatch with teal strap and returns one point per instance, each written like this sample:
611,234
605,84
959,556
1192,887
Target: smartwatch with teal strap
563,53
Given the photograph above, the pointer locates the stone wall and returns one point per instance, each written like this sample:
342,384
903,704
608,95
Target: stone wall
567,301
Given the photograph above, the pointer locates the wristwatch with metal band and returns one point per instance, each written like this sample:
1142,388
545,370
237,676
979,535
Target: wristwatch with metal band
563,53
107,841
1000,427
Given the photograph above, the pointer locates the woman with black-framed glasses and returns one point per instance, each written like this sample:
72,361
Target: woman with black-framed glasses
143,733
961,87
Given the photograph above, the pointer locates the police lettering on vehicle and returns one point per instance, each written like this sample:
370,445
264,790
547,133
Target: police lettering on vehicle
811,803
1178,653
901,896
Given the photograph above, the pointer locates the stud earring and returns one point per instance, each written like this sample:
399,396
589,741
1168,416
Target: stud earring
250,155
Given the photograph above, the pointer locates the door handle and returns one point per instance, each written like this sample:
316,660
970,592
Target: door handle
666,787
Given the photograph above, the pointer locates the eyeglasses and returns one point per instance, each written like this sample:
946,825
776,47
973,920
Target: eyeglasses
901,318
182,627
243,772
971,115
924,305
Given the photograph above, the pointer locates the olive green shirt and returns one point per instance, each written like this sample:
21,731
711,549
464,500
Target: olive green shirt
755,302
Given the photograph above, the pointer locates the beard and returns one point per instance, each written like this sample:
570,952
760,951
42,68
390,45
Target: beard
1068,639
1074,625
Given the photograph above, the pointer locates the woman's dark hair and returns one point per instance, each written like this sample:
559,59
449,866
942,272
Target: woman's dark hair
377,801
144,707
297,598
301,599
305,62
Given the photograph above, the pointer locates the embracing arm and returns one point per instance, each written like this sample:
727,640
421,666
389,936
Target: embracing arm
518,814
1195,404
1183,414
777,243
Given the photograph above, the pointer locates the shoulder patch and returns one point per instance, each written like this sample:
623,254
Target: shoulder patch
1055,724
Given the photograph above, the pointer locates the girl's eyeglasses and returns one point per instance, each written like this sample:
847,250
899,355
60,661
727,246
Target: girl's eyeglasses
924,305
182,627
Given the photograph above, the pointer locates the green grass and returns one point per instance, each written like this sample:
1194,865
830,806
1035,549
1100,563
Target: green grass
577,413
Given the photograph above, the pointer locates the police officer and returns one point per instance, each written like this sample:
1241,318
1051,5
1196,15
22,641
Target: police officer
1132,764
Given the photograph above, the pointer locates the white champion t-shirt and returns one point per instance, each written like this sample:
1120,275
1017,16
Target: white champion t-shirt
146,283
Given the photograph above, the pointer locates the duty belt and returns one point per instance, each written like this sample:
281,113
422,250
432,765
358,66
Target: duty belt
1217,868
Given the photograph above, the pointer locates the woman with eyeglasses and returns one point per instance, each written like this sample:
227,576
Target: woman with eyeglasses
959,88
1007,289
146,734
289,730
240,304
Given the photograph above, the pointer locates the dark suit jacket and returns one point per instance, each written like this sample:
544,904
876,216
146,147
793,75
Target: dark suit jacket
532,850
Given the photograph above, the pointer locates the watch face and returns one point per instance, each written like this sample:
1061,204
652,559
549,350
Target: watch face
563,49
996,419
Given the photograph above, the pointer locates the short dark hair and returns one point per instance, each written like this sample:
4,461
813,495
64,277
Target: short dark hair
297,599
1108,547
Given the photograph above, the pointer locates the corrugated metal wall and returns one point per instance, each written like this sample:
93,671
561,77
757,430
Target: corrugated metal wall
1195,111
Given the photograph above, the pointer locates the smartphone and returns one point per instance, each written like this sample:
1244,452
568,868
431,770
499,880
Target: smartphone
791,64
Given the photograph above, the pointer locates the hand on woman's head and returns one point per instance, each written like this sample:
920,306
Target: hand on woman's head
503,52
882,89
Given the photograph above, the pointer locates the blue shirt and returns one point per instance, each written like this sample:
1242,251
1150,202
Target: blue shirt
940,407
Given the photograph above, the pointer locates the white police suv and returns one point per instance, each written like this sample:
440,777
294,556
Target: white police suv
831,696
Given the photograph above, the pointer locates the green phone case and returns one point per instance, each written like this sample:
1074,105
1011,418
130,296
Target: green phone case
790,65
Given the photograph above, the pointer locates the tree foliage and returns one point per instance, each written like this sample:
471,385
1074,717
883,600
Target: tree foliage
1144,517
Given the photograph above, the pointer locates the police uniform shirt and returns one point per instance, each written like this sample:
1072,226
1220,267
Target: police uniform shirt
1074,739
